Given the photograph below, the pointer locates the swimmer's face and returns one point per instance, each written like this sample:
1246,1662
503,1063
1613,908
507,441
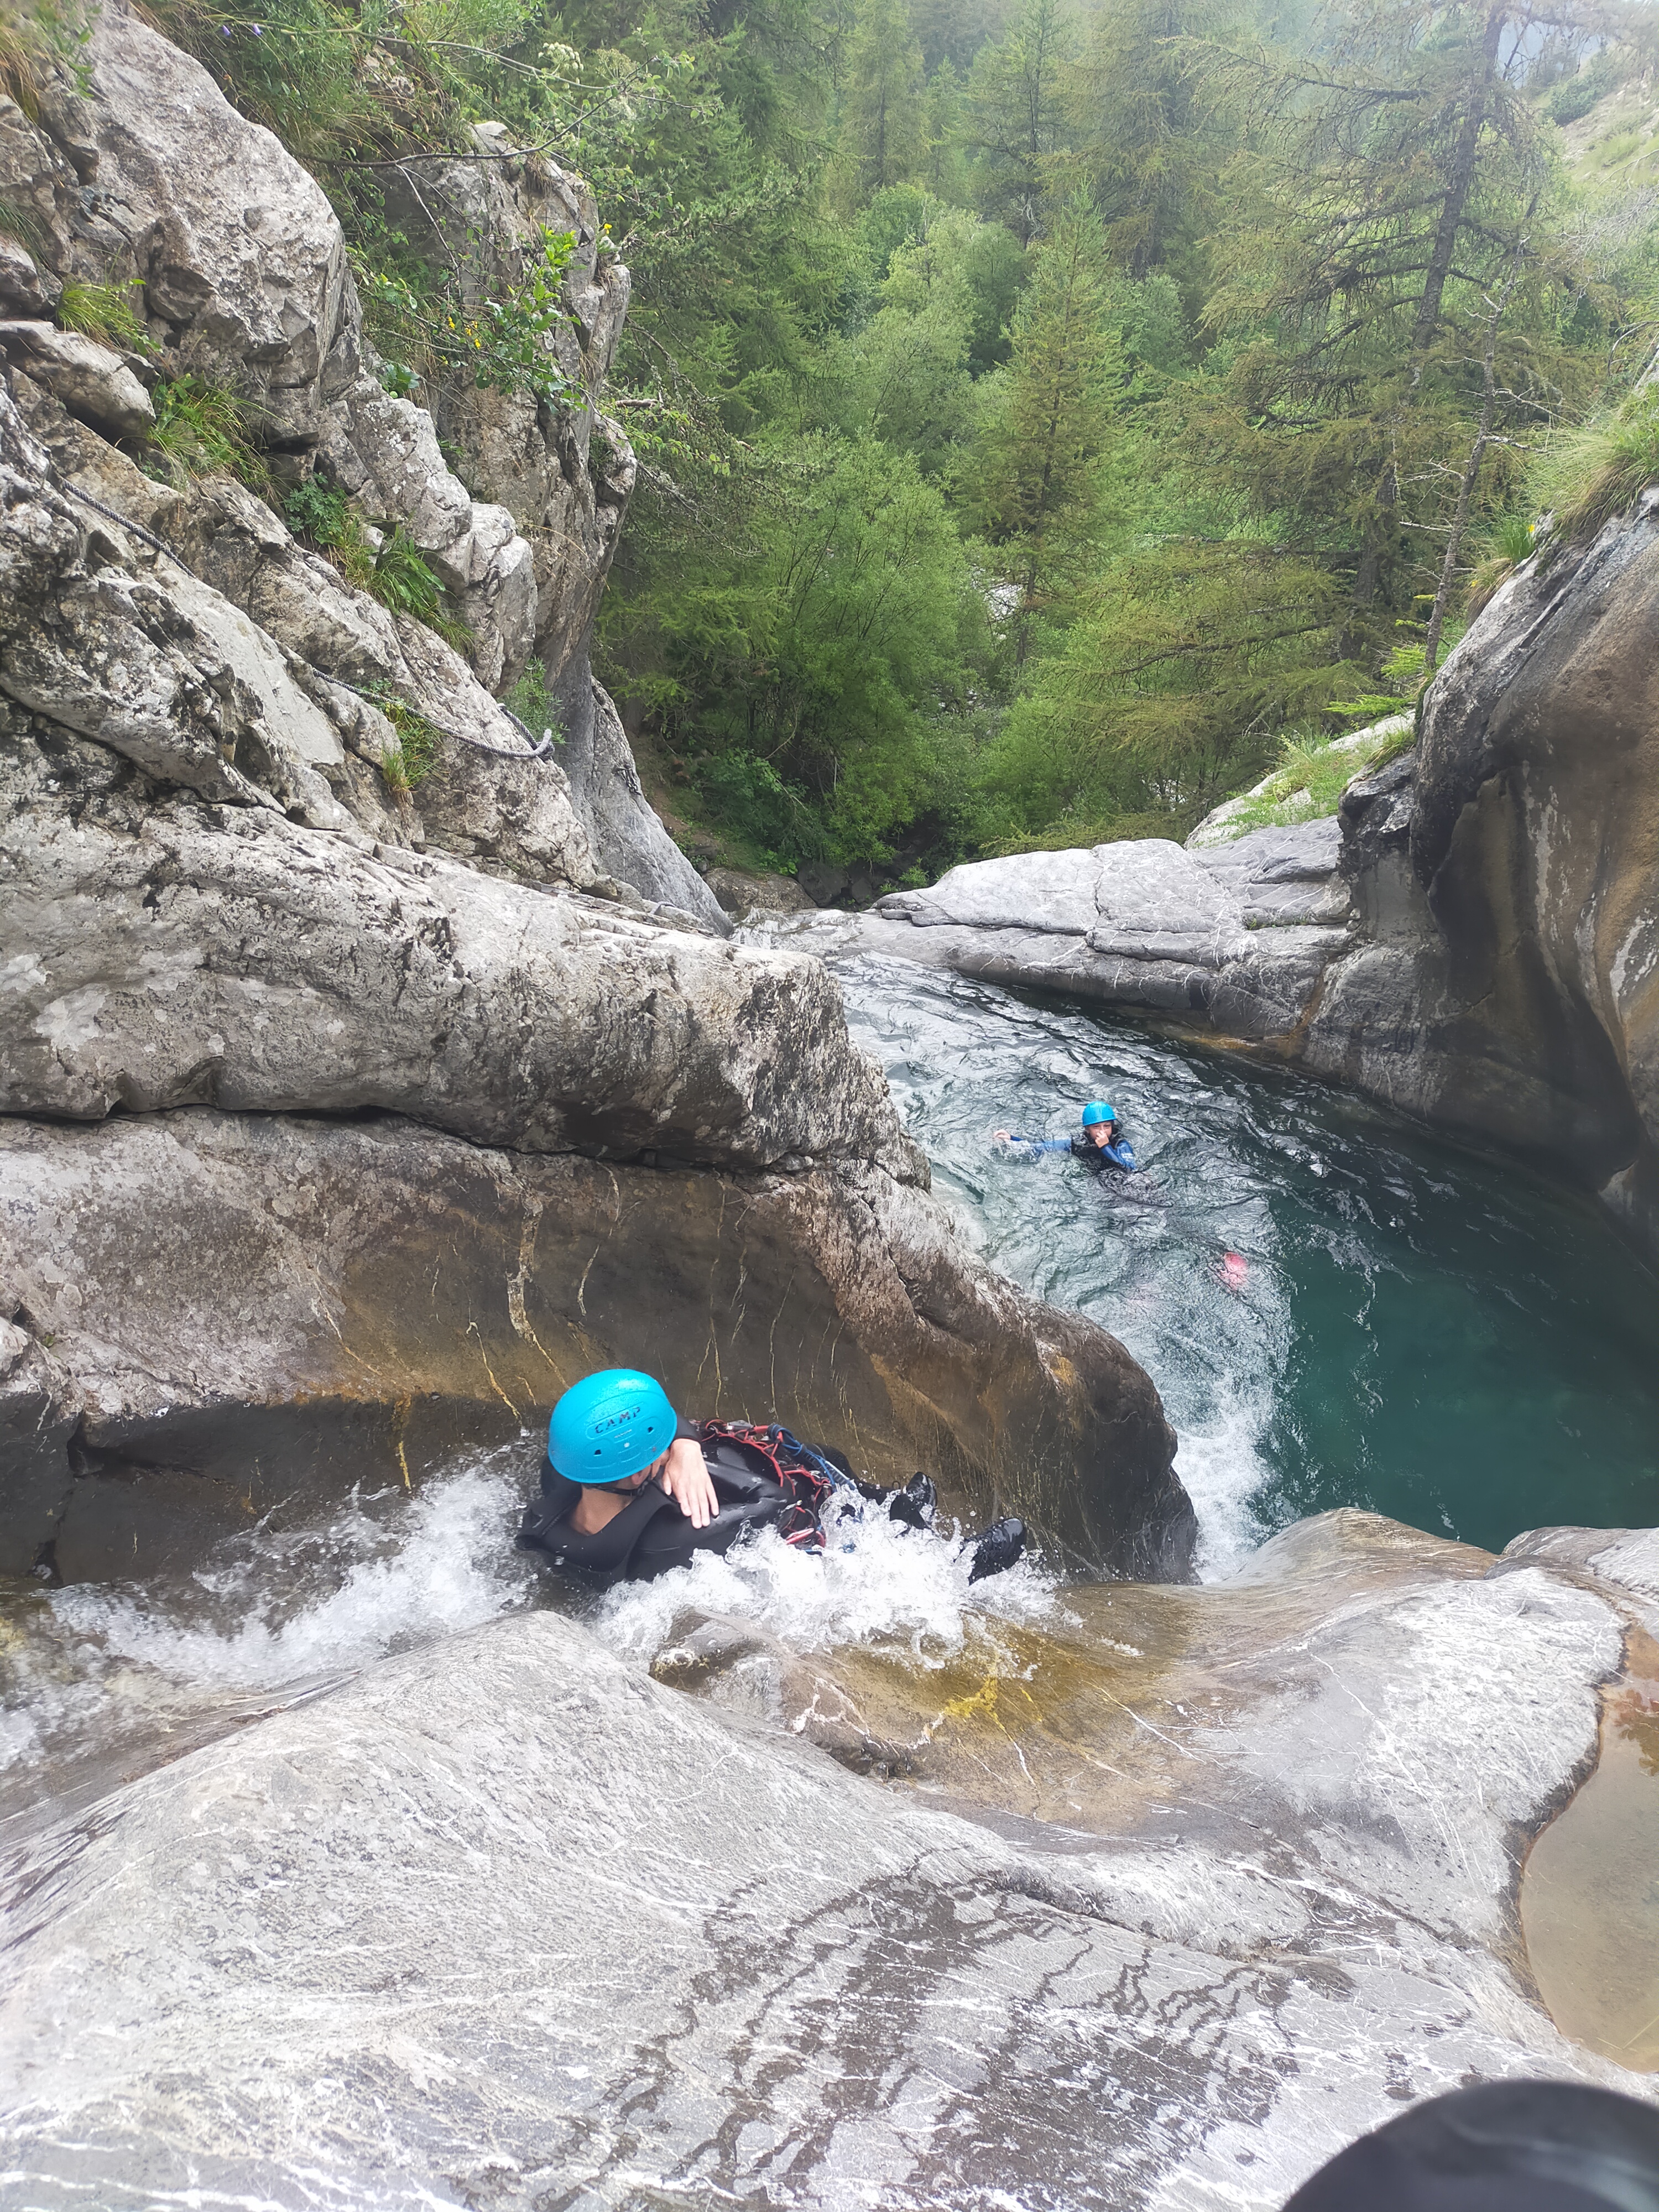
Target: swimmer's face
1101,1134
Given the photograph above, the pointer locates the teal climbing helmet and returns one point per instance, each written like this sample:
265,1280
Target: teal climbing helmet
610,1425
1098,1110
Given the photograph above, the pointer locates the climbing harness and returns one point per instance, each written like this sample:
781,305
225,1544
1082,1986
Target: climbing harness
810,1478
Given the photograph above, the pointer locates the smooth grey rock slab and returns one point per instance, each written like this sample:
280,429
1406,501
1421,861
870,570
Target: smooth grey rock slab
1243,943
1046,891
1305,852
503,1918
165,952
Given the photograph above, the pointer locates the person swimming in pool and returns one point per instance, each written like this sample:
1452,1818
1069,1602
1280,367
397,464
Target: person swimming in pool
1101,1143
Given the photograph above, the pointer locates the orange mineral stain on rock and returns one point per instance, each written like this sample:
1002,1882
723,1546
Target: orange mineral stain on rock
1589,1893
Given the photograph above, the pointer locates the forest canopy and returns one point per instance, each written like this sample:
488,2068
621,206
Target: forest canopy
1048,409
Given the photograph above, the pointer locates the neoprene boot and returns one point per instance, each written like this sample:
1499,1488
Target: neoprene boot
997,1549
914,1505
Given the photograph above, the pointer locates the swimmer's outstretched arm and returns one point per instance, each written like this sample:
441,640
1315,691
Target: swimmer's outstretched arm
1033,1144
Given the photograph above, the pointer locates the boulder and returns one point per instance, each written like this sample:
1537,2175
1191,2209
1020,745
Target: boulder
88,379
503,1919
250,1314
164,952
740,894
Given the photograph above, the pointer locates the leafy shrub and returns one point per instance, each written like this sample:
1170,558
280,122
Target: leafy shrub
325,517
772,818
201,430
105,311
535,705
1602,468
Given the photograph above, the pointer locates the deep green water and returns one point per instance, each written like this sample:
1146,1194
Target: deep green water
1441,1337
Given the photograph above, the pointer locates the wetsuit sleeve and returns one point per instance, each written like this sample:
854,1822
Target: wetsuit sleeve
1043,1144
1121,1154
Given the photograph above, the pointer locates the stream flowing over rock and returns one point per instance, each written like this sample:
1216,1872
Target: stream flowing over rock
1474,939
348,1115
656,1145
507,1923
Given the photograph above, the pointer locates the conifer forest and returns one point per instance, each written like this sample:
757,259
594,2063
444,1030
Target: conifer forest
1051,414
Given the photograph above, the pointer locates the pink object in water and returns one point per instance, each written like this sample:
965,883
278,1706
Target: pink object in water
1235,1271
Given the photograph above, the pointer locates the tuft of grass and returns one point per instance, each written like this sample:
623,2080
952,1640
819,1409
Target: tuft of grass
105,311
412,758
1510,543
395,573
20,222
20,59
1311,776
1602,468
404,583
201,430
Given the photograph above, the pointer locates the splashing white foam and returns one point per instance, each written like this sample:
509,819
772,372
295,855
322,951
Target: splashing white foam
314,1602
875,1583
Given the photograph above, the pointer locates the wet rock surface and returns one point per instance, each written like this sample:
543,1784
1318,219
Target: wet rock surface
410,1942
1237,937
238,1315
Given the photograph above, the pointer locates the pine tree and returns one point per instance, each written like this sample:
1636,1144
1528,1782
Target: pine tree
1015,115
944,169
1057,402
881,140
1148,142
1381,197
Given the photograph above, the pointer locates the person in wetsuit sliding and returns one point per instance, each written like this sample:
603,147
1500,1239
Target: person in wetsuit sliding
1101,1142
628,1490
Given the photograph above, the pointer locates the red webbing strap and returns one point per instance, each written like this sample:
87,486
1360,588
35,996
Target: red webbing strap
810,1492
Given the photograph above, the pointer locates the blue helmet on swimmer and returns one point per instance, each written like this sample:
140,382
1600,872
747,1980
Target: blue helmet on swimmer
1098,1110
610,1425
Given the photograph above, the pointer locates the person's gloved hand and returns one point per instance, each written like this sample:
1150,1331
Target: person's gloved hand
686,1478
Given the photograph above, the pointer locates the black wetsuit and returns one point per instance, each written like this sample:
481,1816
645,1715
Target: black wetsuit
651,1534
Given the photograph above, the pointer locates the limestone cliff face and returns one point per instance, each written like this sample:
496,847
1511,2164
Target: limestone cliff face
344,1131
147,178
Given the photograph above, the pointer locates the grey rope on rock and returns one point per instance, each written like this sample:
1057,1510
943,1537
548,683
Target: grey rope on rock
538,750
